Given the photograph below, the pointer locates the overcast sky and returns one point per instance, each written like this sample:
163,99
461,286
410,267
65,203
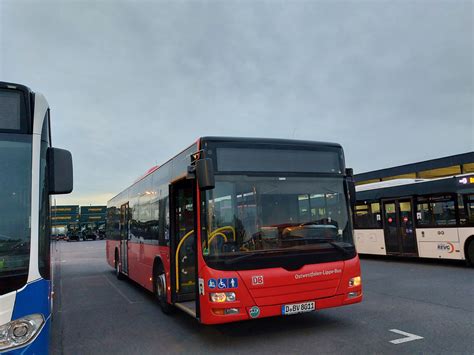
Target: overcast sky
130,84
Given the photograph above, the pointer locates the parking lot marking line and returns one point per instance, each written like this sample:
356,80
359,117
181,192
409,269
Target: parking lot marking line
120,292
418,300
408,336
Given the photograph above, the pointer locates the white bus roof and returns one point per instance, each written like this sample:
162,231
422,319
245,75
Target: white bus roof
399,182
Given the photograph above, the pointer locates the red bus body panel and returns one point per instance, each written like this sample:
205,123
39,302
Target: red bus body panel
140,261
327,284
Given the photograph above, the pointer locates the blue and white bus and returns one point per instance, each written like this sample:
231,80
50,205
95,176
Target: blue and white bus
30,171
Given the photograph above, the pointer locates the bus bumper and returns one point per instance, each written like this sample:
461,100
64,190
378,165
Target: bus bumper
246,313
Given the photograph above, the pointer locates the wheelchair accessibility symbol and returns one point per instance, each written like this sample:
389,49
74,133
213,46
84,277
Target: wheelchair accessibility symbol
222,283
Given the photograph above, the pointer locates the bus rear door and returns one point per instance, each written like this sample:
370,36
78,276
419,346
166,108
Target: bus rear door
124,237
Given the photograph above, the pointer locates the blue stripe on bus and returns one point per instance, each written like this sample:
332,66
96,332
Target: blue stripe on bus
34,298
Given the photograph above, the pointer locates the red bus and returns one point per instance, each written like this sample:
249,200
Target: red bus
239,228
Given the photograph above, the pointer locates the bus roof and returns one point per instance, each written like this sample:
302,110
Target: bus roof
243,140
250,140
7,85
389,183
411,187
279,141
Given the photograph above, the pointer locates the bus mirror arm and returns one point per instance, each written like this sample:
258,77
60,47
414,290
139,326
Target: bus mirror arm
191,173
60,171
351,187
205,174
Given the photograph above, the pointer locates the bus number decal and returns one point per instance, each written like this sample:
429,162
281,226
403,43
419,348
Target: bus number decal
257,280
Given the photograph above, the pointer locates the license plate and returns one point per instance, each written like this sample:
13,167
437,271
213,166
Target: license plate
288,309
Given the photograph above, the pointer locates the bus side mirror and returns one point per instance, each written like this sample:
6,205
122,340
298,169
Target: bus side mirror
60,171
351,187
205,174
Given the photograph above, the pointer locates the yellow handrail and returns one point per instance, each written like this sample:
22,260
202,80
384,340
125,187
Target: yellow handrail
177,256
213,235
221,229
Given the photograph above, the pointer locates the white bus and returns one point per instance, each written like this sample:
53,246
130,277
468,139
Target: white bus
417,218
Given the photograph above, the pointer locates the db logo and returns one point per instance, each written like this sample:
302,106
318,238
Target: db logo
449,247
257,280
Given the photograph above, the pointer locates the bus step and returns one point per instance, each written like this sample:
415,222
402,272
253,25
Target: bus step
188,307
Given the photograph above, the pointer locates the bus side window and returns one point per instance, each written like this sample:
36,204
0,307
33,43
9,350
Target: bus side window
443,212
466,209
375,215
164,227
462,209
367,216
424,216
362,216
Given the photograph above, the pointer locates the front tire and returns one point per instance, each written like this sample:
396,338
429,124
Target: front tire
160,292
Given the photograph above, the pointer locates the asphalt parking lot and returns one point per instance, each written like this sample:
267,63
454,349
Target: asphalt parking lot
97,314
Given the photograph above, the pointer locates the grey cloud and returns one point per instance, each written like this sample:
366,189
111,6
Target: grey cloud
132,83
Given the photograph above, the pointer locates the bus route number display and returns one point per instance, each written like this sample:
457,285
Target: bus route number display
467,180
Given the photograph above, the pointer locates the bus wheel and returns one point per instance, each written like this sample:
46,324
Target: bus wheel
160,292
470,253
117,268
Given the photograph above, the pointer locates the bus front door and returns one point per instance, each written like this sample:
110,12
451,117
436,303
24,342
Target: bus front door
399,229
183,239
124,236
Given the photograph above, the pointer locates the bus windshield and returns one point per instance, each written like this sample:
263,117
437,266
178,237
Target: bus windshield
15,210
253,216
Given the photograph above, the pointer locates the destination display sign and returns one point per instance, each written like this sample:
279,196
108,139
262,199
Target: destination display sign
11,110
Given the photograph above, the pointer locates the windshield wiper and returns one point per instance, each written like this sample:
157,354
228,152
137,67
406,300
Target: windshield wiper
328,241
246,256
336,246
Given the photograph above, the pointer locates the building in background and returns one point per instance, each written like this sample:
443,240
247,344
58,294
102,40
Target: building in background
92,222
78,222
64,218
428,169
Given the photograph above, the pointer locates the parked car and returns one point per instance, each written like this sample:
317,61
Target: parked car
73,234
101,231
88,233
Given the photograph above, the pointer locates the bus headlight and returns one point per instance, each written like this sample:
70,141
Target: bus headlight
20,331
355,281
230,296
220,297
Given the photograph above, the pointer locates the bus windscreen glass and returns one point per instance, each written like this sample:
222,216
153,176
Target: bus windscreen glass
278,160
272,216
15,209
11,110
